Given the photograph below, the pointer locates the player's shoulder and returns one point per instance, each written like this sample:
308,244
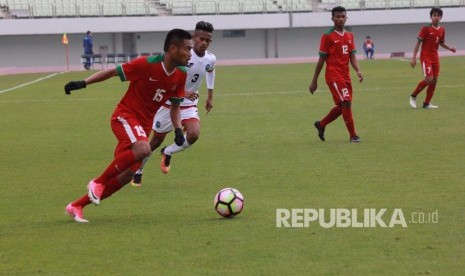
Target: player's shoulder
154,59
329,31
183,69
209,55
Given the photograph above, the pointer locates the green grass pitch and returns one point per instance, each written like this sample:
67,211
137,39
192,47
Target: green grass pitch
260,139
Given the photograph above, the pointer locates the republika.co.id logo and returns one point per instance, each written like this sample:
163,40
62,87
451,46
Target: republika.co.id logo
343,218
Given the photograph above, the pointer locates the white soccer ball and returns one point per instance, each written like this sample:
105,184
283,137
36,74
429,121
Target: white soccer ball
229,202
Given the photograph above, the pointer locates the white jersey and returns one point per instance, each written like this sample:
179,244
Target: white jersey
197,69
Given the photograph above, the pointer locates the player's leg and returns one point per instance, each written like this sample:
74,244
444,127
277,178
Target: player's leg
155,142
132,148
343,93
191,122
427,69
161,126
333,114
431,87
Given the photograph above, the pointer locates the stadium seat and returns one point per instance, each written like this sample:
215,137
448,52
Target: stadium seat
450,3
110,58
132,56
121,58
424,3
376,4
97,59
66,8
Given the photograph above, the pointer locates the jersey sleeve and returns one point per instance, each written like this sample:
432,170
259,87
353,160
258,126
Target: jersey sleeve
442,39
133,70
324,45
180,91
422,34
352,47
210,75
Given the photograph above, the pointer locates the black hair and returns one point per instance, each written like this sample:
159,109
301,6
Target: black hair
88,32
337,9
175,37
436,10
204,26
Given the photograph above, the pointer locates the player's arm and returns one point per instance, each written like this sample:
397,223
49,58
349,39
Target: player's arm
447,47
413,62
175,115
354,63
210,79
319,65
96,77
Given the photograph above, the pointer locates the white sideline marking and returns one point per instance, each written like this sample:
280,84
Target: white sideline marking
29,83
240,94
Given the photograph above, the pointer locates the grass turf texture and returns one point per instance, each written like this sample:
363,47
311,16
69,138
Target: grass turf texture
260,139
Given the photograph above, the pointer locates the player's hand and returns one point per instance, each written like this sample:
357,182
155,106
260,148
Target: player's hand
453,49
208,106
179,137
360,76
191,95
313,86
74,85
413,63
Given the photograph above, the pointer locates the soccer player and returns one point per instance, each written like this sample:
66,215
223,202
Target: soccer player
337,49
153,80
201,64
430,37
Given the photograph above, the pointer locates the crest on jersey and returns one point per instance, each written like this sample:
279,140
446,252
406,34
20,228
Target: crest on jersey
209,67
190,64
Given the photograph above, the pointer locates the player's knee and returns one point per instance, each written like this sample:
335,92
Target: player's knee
192,137
141,150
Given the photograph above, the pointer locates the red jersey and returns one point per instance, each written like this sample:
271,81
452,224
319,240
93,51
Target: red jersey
150,87
430,38
336,48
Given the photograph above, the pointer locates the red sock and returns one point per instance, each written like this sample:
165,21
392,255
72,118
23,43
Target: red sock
112,186
348,120
122,162
430,92
421,85
83,201
331,116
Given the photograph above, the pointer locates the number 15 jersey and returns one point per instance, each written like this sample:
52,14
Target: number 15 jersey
150,87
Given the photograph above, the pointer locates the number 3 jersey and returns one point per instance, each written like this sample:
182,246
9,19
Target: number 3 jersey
150,87
337,47
199,68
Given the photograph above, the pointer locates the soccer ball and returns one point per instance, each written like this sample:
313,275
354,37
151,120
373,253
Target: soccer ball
229,202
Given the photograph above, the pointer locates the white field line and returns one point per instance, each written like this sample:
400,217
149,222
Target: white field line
29,83
240,94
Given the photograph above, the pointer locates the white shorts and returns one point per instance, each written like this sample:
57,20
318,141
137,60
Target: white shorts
162,121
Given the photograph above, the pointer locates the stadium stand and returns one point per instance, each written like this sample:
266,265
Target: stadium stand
111,8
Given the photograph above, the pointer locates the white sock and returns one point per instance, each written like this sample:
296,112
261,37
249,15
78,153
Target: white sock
173,148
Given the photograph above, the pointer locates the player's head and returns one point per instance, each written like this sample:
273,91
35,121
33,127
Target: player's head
435,15
338,16
178,45
202,37
435,10
89,33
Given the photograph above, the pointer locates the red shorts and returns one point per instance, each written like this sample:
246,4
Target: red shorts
128,130
341,91
430,69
